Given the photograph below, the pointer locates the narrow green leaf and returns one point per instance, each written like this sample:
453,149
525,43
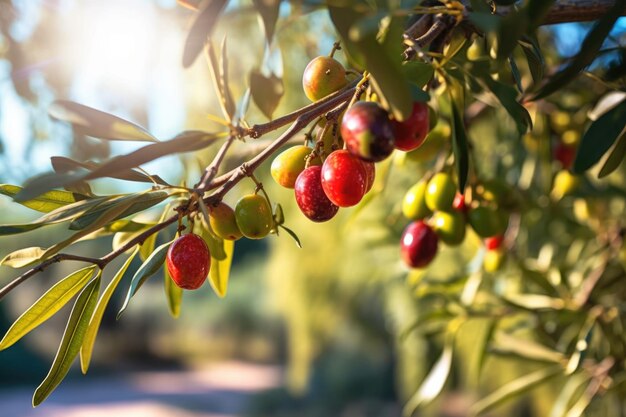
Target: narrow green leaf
516,74
38,185
293,235
418,73
599,138
615,158
174,294
526,349
515,388
588,52
110,215
570,392
72,340
201,29
229,101
145,271
220,270
534,302
507,96
139,202
460,147
22,257
268,10
62,165
46,202
482,347
89,340
214,242
266,92
534,58
49,303
433,384
185,142
384,62
96,123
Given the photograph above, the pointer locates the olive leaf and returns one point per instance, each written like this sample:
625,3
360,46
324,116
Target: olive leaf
599,138
615,158
71,341
185,142
220,270
201,29
89,340
61,164
266,91
139,202
23,257
515,388
46,202
268,10
460,147
433,384
173,293
47,305
145,271
96,123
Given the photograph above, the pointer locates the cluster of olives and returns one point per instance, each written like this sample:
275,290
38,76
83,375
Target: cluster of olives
439,213
325,178
188,258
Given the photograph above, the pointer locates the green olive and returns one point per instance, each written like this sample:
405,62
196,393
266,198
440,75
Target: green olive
414,205
224,223
487,221
440,192
254,216
449,226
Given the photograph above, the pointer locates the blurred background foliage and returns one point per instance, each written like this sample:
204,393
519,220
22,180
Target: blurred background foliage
357,332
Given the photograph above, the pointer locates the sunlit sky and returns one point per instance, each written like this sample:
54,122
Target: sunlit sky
118,54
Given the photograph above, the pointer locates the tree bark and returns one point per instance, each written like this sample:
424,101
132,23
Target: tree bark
573,11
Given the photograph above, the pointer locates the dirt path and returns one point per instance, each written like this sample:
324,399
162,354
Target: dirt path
221,390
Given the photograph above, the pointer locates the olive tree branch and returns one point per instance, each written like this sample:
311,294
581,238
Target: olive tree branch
301,118
211,171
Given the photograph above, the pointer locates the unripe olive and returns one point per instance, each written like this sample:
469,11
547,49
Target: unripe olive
254,216
449,226
487,221
440,192
289,164
494,260
571,137
224,223
414,205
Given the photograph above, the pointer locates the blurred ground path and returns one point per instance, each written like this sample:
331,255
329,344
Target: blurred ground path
221,390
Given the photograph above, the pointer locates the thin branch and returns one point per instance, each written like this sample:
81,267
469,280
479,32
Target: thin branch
39,268
211,171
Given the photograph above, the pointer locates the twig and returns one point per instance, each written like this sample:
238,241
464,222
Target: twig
211,171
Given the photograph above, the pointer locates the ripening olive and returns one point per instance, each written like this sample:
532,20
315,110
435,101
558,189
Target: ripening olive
224,223
323,76
254,216
449,226
440,192
289,164
414,205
